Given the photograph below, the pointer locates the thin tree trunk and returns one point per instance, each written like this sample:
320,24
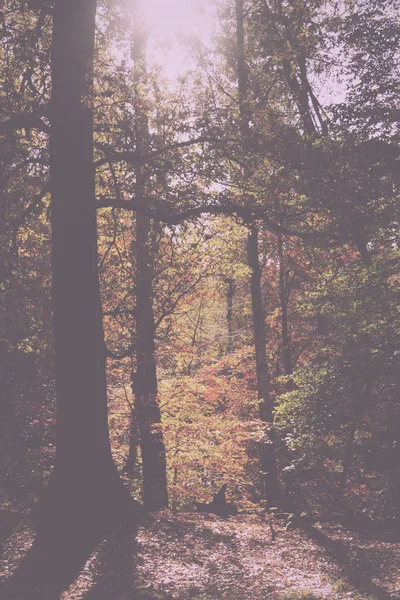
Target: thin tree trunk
269,468
286,350
300,94
347,456
131,460
361,388
229,312
175,483
242,71
155,495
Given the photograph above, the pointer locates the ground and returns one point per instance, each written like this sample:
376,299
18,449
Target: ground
195,556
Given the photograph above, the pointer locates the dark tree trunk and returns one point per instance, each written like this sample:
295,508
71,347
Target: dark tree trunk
229,312
283,296
269,469
346,463
301,98
84,486
84,498
174,483
361,387
130,464
242,71
155,494
360,239
297,82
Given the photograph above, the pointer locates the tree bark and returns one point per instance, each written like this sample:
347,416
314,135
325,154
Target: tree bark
361,387
300,94
229,312
242,71
130,464
84,487
269,468
155,494
286,350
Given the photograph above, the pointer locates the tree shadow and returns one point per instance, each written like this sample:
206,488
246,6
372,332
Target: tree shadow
8,522
116,569
56,558
357,569
118,558
115,574
48,568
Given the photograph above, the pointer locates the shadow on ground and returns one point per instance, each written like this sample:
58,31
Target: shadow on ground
357,569
52,568
8,522
115,575
48,568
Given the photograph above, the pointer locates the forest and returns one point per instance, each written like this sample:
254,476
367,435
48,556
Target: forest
200,299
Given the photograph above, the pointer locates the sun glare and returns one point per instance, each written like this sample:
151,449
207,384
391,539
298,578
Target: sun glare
170,22
174,17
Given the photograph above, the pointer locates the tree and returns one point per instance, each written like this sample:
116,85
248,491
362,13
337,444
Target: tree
269,470
340,415
246,138
145,386
84,489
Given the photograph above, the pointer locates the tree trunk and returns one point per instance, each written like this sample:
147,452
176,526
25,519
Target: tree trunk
242,71
361,387
147,407
300,94
155,495
130,464
84,489
229,312
346,463
269,469
286,351
174,483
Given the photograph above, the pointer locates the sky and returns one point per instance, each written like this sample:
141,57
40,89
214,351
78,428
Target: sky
173,17
170,23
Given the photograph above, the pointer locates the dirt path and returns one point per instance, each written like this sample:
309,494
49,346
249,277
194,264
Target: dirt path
190,556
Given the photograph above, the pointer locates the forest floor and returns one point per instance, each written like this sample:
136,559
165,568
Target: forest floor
193,556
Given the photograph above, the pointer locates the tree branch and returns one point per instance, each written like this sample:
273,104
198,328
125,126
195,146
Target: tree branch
19,221
23,122
121,355
134,158
248,213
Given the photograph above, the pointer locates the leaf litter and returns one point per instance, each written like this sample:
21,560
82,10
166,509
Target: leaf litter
189,556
